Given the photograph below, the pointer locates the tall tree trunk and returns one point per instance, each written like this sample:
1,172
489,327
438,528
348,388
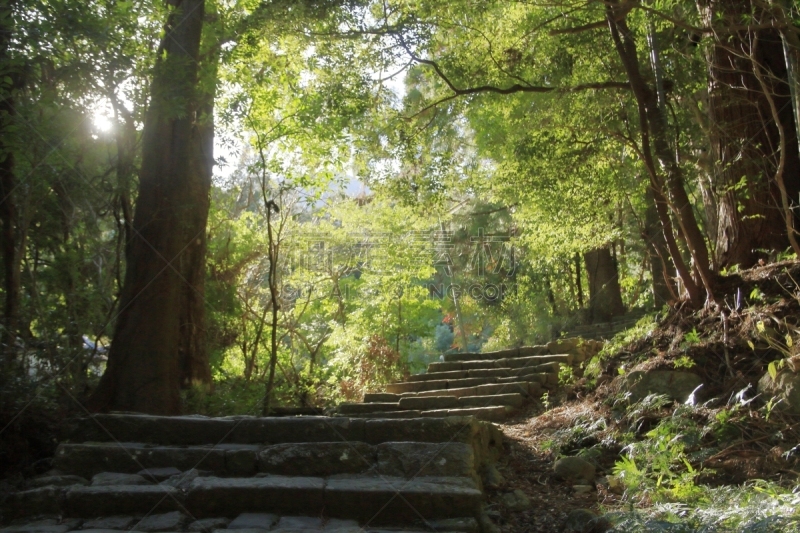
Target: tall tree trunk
655,127
9,244
273,243
745,144
143,372
657,249
605,296
578,282
192,350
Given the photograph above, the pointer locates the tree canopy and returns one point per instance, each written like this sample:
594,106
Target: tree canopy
295,202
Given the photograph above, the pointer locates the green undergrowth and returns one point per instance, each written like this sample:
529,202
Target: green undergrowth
656,454
755,507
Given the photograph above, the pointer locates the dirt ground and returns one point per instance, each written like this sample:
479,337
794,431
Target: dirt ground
527,465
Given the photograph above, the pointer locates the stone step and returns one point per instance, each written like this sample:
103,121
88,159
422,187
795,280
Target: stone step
488,413
379,397
293,459
379,500
92,458
485,373
494,413
360,408
518,362
446,384
245,522
191,430
515,400
524,351
399,414
428,402
525,388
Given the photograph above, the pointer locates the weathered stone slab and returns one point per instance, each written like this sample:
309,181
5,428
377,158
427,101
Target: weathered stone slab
451,374
444,366
389,414
212,496
182,479
254,521
56,481
477,365
537,362
122,499
298,429
428,402
317,459
525,351
337,524
376,499
359,408
438,384
242,460
39,526
512,387
41,501
412,459
106,531
379,397
299,523
104,479
91,459
173,521
512,400
185,430
158,474
492,414
421,430
207,525
110,522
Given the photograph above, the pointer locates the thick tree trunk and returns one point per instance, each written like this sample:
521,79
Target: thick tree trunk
605,296
193,353
9,243
144,370
744,139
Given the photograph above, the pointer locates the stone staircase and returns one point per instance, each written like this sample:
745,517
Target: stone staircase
490,386
119,472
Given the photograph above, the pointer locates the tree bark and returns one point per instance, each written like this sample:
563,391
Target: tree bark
9,243
605,296
192,350
657,249
578,283
745,144
144,371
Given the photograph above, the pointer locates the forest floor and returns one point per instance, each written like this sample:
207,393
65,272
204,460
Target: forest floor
730,445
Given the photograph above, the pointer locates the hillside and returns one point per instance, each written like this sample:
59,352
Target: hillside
727,462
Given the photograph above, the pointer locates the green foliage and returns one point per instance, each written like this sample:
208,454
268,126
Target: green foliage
757,506
658,466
